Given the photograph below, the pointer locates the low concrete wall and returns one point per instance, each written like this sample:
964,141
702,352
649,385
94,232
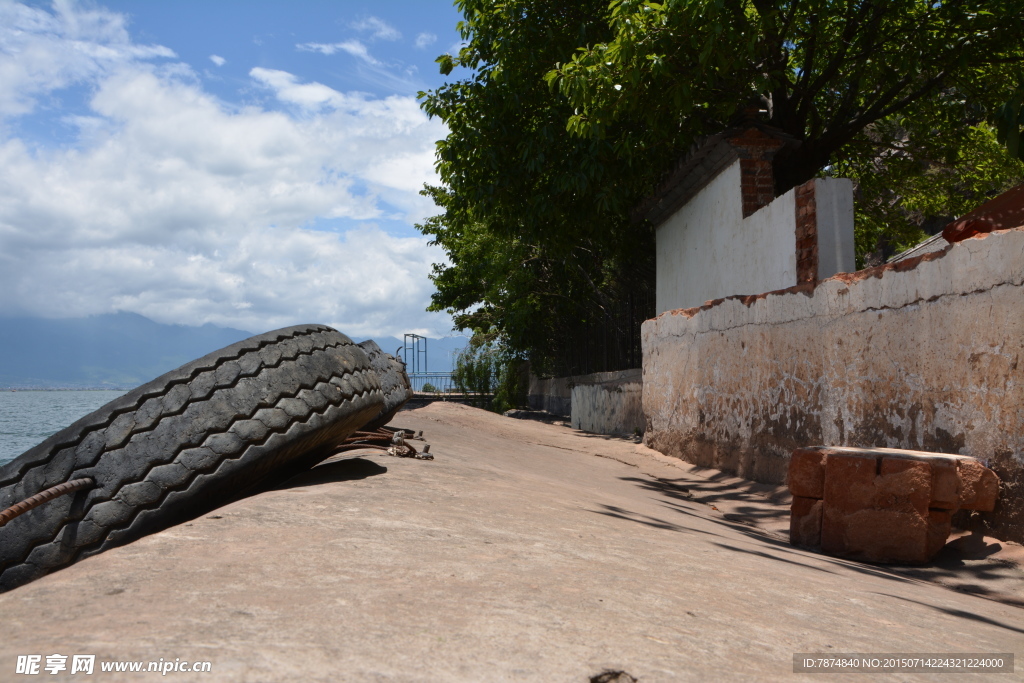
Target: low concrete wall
927,354
553,394
609,403
602,403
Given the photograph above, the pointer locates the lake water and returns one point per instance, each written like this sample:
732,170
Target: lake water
28,417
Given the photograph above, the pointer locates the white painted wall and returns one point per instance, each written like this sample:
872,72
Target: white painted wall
834,210
707,250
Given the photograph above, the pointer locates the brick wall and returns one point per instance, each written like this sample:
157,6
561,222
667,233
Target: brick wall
806,233
756,149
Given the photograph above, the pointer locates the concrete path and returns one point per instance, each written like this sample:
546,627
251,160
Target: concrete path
525,551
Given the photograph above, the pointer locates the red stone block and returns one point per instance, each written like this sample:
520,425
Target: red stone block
885,505
980,486
939,526
849,481
886,536
805,522
807,473
904,485
945,485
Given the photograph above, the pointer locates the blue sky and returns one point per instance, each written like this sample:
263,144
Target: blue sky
250,164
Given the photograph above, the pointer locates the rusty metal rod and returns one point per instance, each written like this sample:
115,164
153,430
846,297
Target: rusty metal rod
49,494
383,440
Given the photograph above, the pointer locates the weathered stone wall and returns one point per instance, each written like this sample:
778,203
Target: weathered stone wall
602,403
609,403
926,354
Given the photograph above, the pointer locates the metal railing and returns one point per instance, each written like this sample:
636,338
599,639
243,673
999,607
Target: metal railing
432,382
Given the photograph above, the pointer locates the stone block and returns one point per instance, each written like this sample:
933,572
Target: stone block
939,526
807,473
945,484
904,485
883,505
849,481
805,522
881,536
980,486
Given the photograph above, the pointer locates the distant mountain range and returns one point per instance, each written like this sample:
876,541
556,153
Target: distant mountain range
124,350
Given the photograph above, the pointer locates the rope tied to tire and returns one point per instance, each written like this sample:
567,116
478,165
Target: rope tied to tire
46,496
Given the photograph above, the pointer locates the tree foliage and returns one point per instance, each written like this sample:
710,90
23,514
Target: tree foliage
572,112
919,180
534,220
488,372
823,70
1010,118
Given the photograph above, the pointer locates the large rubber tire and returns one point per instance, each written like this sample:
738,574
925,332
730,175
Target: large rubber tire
184,443
394,382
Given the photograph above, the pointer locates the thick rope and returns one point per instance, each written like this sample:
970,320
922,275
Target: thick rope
49,494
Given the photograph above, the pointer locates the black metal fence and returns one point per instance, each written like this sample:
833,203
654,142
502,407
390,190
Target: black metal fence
610,340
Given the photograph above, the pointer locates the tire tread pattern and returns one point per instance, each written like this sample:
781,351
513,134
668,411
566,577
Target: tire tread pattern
394,382
211,428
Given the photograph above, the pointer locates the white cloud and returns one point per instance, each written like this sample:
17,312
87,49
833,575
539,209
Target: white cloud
218,60
352,47
42,51
288,89
377,28
366,283
456,48
180,207
425,40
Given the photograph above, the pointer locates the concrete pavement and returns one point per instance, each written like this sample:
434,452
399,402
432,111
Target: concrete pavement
525,551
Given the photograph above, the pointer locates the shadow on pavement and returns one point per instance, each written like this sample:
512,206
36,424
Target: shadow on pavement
709,492
959,613
331,471
965,564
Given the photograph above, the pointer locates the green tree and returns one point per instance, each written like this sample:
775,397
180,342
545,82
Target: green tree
1010,118
915,186
823,71
535,221
488,371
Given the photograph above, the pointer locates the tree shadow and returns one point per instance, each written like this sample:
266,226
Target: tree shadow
769,556
959,613
708,492
964,565
620,438
647,520
677,495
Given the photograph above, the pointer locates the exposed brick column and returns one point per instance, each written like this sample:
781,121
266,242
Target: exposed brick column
757,180
806,234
